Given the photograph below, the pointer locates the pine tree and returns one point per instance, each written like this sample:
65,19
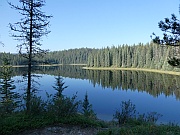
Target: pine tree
129,57
107,57
87,108
29,30
149,55
59,87
119,56
171,37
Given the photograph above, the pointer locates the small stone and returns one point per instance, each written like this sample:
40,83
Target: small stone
79,132
49,128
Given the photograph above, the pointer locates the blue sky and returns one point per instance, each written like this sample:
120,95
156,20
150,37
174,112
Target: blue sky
93,23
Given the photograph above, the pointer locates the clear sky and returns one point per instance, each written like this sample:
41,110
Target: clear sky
93,23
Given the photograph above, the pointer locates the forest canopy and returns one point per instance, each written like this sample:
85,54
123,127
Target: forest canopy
150,56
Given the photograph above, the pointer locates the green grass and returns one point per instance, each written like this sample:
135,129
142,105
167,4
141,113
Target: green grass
19,122
146,129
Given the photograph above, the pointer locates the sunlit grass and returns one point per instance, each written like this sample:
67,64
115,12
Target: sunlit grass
134,69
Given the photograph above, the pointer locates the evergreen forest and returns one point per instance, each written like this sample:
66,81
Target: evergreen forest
148,56
23,108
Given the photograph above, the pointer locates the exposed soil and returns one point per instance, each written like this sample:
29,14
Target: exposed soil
63,130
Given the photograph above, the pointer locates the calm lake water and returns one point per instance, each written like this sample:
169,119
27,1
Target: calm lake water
150,92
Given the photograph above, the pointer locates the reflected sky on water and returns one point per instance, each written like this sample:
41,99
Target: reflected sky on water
106,101
150,92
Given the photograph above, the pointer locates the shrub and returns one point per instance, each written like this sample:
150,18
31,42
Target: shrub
87,108
63,106
126,112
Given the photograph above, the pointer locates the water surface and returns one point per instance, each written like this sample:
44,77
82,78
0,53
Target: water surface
150,92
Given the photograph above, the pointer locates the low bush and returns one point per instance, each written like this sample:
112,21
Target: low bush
143,130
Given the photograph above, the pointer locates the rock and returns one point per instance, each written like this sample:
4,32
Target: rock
63,130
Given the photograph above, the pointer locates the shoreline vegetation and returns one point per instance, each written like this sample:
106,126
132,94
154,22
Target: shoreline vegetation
62,110
134,69
109,68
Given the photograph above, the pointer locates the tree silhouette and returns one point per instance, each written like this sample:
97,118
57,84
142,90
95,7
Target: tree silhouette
29,31
59,87
87,108
171,37
171,29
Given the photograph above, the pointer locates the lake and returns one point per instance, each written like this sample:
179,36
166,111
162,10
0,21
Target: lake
150,92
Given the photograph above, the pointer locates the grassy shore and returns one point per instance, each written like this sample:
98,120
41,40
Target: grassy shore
134,69
19,122
109,68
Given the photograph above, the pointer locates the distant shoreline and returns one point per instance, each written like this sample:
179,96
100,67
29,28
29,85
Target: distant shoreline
134,69
48,65
108,68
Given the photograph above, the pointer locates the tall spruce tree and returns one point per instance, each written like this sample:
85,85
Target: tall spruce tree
59,87
29,30
87,108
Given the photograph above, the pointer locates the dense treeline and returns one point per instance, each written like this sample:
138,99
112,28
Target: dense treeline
14,59
150,56
71,56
